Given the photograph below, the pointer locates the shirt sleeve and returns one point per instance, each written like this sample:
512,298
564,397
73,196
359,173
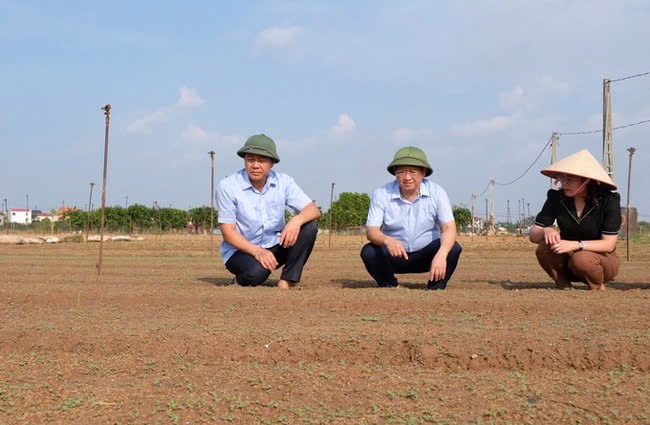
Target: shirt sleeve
547,216
611,215
445,213
375,211
226,204
296,199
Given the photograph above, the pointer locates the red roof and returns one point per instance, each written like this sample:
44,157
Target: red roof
19,209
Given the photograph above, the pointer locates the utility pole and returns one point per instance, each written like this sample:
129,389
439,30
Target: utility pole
107,112
492,218
528,204
90,200
608,149
27,198
211,153
6,217
329,218
508,218
553,153
627,208
126,202
473,208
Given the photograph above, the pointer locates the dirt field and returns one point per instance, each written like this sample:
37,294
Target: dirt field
162,337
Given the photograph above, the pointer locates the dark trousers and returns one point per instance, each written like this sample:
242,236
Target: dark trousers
249,272
382,266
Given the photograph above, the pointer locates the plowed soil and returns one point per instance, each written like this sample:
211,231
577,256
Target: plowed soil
164,337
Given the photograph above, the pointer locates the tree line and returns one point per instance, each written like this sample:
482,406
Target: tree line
139,219
350,210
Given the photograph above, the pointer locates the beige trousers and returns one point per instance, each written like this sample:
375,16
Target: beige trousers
593,268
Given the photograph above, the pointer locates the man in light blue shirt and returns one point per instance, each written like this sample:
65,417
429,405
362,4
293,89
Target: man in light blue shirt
410,225
251,205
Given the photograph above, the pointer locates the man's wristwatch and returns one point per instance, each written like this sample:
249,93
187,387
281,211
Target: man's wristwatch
581,245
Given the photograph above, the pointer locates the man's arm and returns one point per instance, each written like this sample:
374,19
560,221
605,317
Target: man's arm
448,236
289,234
236,239
394,247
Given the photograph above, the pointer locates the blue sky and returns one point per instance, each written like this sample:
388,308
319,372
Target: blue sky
340,86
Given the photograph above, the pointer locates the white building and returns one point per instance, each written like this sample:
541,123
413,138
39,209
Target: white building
20,216
41,216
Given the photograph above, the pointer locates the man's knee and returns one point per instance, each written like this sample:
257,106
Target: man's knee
309,229
368,253
253,277
456,250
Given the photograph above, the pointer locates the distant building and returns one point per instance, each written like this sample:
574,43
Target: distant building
20,216
40,216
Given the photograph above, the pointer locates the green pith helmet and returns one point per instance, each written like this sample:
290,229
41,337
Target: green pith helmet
260,144
410,155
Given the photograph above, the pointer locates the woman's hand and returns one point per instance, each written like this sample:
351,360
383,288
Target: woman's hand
563,247
551,236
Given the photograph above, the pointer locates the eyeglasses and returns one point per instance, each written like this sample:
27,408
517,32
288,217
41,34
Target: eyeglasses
414,172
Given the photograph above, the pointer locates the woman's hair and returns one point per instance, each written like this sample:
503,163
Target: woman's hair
595,192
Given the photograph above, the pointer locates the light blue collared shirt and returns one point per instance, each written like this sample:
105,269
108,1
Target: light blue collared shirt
259,215
415,224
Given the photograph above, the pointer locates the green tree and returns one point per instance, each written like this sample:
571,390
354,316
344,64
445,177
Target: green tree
140,217
172,218
115,218
76,219
200,217
351,209
462,216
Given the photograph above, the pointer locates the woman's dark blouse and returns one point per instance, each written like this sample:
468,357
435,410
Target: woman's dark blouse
597,220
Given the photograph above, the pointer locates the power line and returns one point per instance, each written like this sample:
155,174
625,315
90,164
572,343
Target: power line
529,167
630,77
574,133
484,190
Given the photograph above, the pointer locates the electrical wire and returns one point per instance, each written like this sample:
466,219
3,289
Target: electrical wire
630,77
529,167
574,133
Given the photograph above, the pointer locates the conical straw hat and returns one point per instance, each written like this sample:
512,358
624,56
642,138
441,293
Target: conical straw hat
581,164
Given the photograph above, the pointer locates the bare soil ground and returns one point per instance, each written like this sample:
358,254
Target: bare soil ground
163,337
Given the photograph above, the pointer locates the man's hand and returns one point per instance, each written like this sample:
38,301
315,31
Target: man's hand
438,267
289,235
395,248
266,259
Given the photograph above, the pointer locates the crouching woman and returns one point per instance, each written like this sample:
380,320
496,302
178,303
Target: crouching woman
588,215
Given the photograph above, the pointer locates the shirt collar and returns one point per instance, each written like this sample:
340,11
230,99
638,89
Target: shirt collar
245,181
395,194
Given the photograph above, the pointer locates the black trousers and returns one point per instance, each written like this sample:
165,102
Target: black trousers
382,266
249,272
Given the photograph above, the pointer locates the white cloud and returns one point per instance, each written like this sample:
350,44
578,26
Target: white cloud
144,124
482,127
189,98
345,125
277,37
512,100
403,135
195,135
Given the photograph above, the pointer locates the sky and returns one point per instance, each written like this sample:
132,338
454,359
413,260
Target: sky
480,86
